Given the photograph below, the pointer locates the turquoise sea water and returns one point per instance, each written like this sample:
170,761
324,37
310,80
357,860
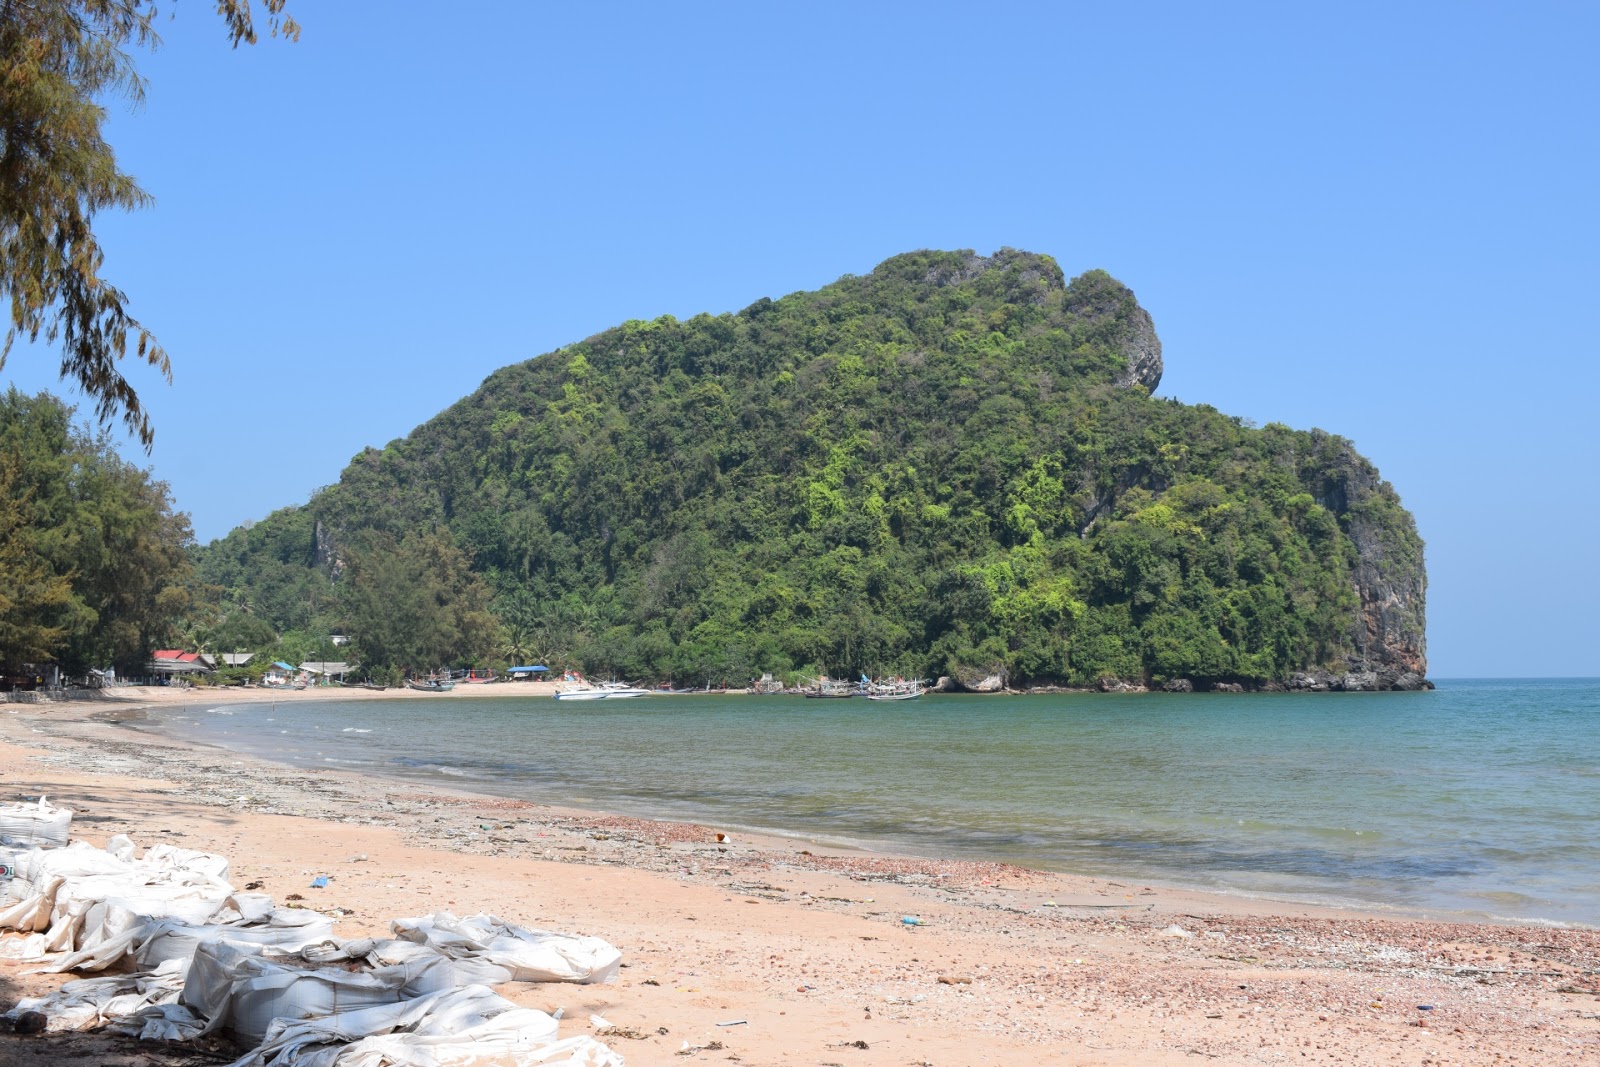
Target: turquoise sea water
1480,798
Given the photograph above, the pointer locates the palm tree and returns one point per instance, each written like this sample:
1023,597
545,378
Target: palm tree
516,641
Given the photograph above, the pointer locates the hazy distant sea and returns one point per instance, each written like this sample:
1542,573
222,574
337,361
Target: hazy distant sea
1481,798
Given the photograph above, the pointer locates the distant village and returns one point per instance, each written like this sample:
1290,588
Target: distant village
178,667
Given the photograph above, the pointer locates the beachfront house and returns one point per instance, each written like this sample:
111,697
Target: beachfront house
173,663
326,672
280,673
237,659
527,674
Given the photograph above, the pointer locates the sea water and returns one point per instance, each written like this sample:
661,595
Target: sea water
1480,799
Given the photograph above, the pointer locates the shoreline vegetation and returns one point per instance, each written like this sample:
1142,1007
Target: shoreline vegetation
952,467
1301,682
1005,964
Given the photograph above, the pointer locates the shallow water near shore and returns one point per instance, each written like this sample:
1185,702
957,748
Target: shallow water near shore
1478,799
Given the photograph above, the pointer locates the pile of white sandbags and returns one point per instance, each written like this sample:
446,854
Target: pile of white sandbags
203,958
78,897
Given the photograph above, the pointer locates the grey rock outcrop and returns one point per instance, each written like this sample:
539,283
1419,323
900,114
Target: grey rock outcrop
326,553
982,679
1114,317
1388,638
1355,681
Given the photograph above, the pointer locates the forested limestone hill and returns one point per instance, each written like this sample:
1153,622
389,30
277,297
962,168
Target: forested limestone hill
952,465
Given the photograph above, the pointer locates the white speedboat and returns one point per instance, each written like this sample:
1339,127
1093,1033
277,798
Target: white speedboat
603,691
580,692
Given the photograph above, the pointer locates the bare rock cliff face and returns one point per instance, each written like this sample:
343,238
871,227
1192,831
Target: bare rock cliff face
1143,349
327,553
1389,636
1101,300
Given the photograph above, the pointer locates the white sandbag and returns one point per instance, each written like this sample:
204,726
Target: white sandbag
529,955
93,1002
471,1027
258,908
186,866
494,1044
417,969
424,969
151,942
232,987
39,825
130,906
37,867
82,896
285,930
160,1022
85,913
26,948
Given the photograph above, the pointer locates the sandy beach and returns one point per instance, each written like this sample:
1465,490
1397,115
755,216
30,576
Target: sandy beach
776,950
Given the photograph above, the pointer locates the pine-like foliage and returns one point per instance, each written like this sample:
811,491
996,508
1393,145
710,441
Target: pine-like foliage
94,570
60,62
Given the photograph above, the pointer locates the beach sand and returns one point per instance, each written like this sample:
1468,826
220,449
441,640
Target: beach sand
800,946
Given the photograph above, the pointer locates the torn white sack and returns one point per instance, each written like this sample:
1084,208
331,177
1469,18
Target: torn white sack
470,1027
527,955
150,942
91,1002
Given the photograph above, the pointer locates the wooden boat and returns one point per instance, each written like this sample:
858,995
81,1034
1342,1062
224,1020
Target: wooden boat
898,689
432,685
828,689
368,685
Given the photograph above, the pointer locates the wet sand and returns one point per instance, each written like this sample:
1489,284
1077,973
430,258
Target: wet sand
803,946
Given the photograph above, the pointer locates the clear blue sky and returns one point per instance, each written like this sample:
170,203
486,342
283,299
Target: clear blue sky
1379,219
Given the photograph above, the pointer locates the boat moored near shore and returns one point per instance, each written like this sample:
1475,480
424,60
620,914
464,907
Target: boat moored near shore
575,687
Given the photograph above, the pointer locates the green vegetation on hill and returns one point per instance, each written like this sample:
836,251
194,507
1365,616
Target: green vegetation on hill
949,466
